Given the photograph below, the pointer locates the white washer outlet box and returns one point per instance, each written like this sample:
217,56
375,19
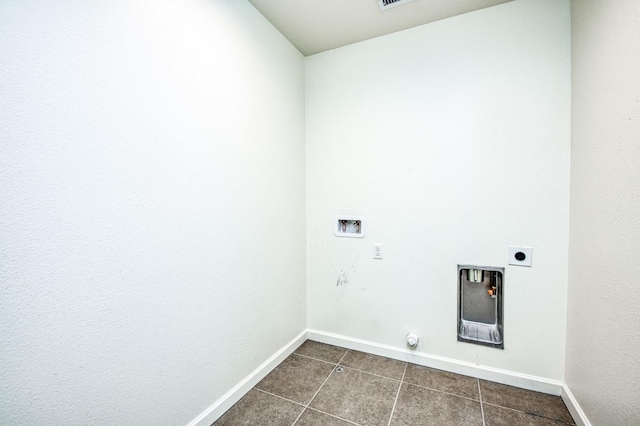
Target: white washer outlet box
349,226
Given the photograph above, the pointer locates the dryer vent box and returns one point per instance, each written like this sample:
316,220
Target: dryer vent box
480,311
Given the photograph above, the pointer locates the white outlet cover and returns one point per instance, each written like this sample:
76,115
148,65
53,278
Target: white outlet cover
526,251
377,251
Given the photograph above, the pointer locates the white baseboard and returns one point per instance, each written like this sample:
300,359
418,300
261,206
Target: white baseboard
574,408
535,383
215,411
539,384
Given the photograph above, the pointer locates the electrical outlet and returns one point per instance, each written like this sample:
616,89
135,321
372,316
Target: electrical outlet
520,256
377,250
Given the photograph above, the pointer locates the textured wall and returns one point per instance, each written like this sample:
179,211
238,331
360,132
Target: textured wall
603,337
452,140
152,220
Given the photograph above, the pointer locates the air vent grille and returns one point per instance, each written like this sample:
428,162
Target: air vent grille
387,4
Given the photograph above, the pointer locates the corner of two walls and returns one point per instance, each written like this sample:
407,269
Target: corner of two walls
153,196
452,140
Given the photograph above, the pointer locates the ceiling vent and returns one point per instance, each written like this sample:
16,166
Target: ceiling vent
388,4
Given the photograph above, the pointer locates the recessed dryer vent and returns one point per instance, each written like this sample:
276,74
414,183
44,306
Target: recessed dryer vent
480,305
387,4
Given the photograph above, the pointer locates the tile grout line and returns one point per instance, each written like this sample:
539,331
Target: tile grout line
333,415
304,407
370,373
320,388
393,409
391,378
481,404
315,359
441,391
278,396
350,368
502,407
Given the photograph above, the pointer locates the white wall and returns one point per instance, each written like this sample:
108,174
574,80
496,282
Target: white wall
452,140
152,221
603,337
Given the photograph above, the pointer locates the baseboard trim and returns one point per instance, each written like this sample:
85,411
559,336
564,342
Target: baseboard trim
215,411
525,381
574,408
535,383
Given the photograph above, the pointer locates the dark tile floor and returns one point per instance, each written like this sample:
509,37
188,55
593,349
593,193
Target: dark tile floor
324,385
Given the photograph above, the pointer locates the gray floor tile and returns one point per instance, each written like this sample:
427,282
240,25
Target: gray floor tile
297,378
444,381
358,397
364,393
420,406
315,418
539,404
321,351
498,416
259,408
374,364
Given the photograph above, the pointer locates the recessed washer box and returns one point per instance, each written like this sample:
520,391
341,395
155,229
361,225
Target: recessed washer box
520,256
349,226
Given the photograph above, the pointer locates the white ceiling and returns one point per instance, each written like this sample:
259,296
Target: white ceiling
314,26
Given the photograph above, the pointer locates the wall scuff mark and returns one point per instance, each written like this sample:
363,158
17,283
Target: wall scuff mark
342,279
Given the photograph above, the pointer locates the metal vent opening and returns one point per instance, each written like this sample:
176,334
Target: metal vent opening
387,4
